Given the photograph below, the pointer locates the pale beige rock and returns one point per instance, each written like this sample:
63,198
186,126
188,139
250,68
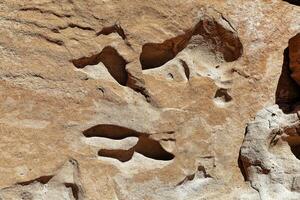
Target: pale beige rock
193,105
64,185
270,154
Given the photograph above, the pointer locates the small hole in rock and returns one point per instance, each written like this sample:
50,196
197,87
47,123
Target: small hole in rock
102,90
25,195
222,93
171,75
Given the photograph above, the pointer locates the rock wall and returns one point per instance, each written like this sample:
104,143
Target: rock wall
132,100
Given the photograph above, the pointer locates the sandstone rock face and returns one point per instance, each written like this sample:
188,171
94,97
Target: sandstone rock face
294,54
134,100
270,154
64,185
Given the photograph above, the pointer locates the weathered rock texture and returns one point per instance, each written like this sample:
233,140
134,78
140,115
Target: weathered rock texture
150,99
270,154
294,55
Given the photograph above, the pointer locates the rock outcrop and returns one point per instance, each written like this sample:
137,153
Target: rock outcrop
270,154
150,99
64,185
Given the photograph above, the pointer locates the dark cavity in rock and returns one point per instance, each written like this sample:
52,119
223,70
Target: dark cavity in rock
112,60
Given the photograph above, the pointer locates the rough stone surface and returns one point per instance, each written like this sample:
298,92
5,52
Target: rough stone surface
150,99
270,154
294,55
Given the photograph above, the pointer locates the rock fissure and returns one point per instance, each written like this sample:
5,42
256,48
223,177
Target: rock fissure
145,145
112,60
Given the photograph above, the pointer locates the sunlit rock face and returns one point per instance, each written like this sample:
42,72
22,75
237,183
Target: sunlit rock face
270,154
135,100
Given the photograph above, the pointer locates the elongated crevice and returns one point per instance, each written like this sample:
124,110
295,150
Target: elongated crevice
214,37
242,168
145,145
42,11
110,131
42,179
74,188
186,69
288,91
294,2
119,154
112,60
113,29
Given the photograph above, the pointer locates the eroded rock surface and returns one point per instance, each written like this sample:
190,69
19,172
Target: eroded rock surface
270,154
64,185
151,98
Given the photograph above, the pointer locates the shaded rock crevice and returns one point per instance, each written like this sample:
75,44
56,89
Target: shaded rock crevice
116,28
294,2
65,183
42,180
288,91
145,145
211,35
223,94
112,60
44,11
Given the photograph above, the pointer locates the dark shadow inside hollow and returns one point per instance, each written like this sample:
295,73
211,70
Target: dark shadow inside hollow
294,2
145,145
242,168
113,29
152,149
112,60
121,155
186,69
223,93
288,91
42,179
74,188
296,150
220,40
110,131
157,54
